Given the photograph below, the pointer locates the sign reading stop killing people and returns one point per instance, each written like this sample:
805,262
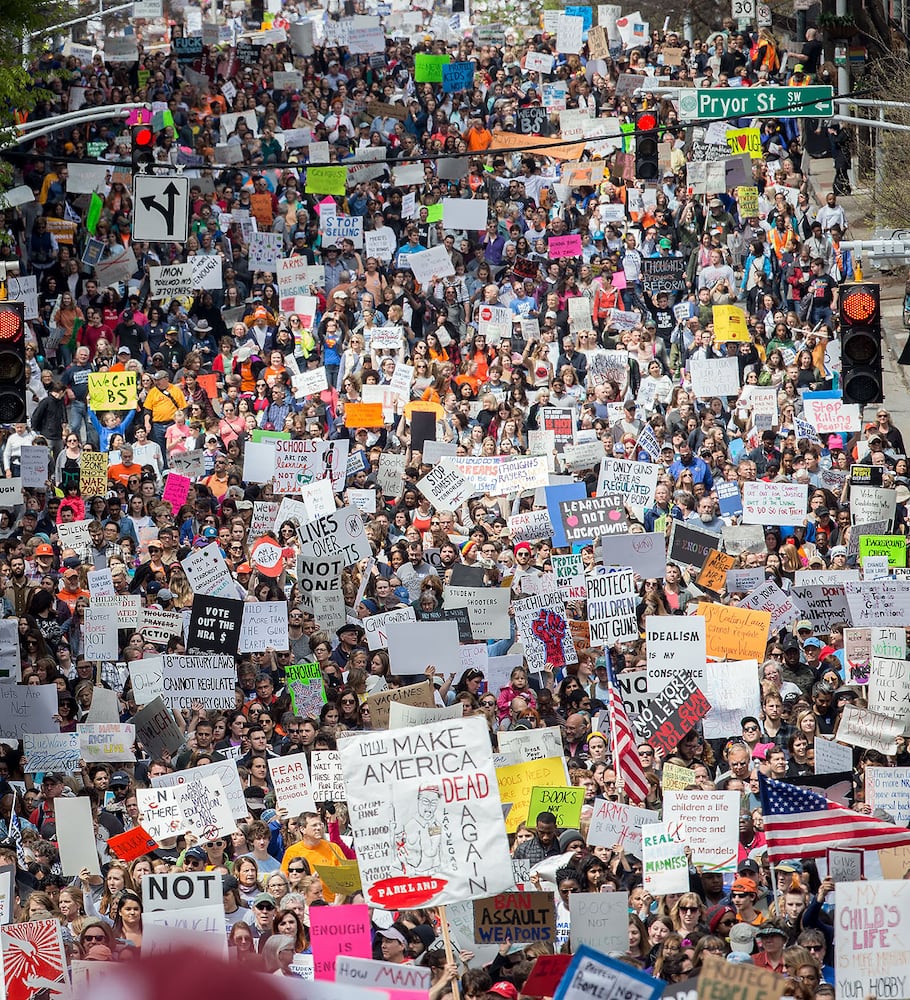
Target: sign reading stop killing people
426,814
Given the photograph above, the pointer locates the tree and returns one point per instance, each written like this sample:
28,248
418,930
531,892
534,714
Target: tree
888,78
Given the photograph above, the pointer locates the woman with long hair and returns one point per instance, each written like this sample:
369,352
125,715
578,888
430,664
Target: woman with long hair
126,917
287,922
278,954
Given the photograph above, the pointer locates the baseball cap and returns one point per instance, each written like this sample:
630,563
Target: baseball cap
742,938
812,642
264,897
393,934
504,989
804,626
196,854
119,778
165,595
44,550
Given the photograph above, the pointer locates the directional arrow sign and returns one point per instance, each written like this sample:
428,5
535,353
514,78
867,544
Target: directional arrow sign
756,102
161,208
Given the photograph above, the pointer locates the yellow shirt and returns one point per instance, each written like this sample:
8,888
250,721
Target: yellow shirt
325,854
161,408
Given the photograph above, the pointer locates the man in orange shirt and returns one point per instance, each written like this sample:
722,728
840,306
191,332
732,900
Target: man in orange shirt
126,467
478,137
314,848
70,592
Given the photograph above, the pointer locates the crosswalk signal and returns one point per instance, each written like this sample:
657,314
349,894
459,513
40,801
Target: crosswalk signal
142,148
861,343
647,167
13,369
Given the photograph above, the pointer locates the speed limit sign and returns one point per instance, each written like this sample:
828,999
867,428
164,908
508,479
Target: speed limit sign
744,10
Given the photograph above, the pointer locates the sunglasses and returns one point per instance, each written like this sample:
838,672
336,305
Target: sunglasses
264,906
94,937
297,871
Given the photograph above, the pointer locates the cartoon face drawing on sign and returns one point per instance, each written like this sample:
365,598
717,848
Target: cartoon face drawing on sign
421,844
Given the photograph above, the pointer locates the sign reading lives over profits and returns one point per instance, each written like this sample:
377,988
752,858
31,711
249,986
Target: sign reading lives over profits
426,814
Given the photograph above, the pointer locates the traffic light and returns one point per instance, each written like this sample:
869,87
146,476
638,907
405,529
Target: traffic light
142,148
13,369
861,343
646,165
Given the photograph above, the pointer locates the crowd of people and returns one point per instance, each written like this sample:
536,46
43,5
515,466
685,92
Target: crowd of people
224,368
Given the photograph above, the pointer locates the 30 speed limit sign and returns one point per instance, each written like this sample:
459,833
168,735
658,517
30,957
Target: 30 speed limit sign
744,10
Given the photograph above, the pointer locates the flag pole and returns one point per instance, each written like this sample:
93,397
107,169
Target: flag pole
450,954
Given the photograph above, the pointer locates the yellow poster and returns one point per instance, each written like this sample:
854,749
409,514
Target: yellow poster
745,140
730,324
735,633
326,180
93,474
517,781
747,198
112,391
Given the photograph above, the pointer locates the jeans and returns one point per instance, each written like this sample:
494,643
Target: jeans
158,434
77,418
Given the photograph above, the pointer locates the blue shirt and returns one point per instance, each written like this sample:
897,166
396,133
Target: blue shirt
699,469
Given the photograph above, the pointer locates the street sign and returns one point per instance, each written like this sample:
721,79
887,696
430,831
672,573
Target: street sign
743,10
161,208
763,13
756,102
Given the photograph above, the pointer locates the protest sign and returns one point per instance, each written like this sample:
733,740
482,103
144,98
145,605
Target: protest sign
413,694
445,813
731,689
518,917
774,503
832,757
224,773
674,648
76,835
111,391
93,473
633,480
870,937
615,823
516,783
845,864
156,729
612,603
665,867
564,803
190,903
291,781
676,710
110,742
892,546
735,633
51,752
307,689
769,597
690,545
708,822
888,789
600,919
209,680
337,931
592,974
100,633
713,575
888,690
543,625
860,727
592,517
214,625
725,980
207,572
879,602
34,959
27,709
264,625
823,605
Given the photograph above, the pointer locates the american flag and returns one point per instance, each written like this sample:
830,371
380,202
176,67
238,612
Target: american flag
15,833
800,823
626,761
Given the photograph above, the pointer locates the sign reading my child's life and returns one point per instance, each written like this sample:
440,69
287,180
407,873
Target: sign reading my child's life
426,814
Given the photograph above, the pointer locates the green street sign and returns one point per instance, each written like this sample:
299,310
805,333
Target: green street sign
756,102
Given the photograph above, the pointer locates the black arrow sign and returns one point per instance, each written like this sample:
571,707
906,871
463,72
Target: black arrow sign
172,191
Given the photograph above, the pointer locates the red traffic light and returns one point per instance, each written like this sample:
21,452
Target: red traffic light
859,303
11,324
646,122
142,136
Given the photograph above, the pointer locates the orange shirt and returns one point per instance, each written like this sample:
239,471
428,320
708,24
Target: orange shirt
121,473
478,138
69,597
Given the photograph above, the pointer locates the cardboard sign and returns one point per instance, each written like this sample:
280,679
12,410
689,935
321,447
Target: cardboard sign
414,694
722,980
713,575
845,864
518,917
